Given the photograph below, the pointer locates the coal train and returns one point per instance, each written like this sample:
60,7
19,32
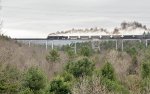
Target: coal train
65,37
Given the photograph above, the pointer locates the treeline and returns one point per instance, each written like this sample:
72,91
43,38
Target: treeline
3,37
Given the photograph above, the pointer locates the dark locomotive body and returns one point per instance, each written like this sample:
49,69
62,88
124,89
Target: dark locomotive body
57,37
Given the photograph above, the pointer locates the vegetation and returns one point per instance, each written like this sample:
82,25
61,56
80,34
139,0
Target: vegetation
35,80
53,56
3,37
70,52
108,72
80,68
112,72
131,51
109,79
85,51
59,86
9,80
145,72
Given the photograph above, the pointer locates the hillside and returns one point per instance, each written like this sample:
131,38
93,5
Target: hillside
108,71
24,57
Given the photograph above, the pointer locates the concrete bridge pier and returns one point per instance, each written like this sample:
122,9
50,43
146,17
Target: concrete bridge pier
52,45
46,44
146,43
122,45
116,44
140,40
74,47
29,43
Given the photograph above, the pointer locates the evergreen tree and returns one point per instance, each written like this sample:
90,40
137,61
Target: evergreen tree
9,80
108,72
145,69
59,86
35,80
53,56
85,51
83,67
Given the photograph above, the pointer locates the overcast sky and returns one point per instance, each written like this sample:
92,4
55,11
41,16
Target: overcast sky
38,18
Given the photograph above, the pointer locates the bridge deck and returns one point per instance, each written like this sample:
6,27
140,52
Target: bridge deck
82,39
103,37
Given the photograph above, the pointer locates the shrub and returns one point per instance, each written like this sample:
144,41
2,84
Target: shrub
35,80
71,54
114,86
83,67
85,51
67,77
9,80
147,53
132,68
145,86
59,86
53,56
145,70
131,51
108,79
108,72
145,73
26,91
66,48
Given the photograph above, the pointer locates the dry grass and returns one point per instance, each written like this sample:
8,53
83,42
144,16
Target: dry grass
120,61
90,87
133,83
